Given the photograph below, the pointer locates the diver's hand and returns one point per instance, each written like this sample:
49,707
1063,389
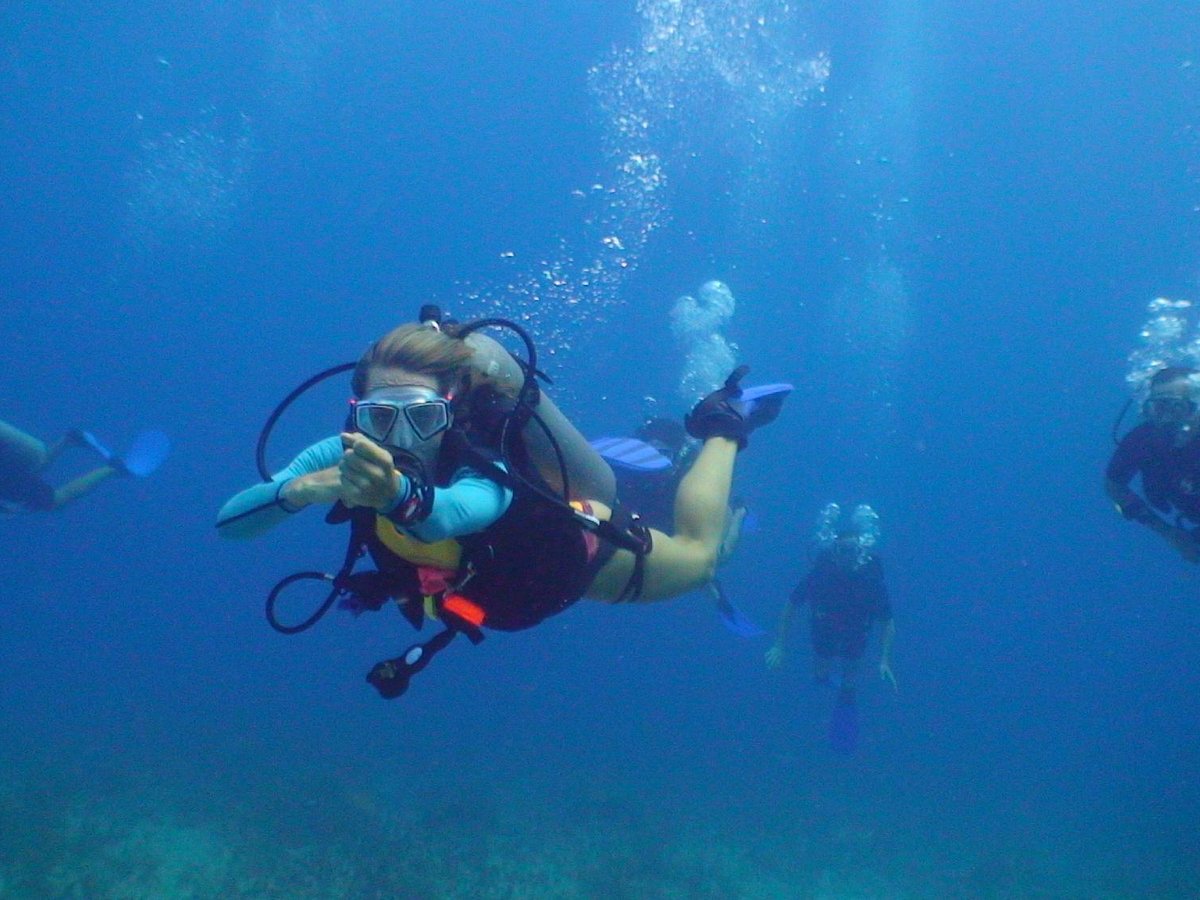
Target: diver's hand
885,672
324,486
1187,545
368,475
775,657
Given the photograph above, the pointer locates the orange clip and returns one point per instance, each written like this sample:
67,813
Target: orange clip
464,609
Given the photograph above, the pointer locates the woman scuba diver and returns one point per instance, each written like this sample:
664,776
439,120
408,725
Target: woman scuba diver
478,501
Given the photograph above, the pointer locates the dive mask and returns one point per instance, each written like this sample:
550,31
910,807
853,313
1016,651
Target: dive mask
849,544
1167,409
405,419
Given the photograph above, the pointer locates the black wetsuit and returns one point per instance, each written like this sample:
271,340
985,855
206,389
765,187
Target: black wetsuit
21,489
1170,474
843,603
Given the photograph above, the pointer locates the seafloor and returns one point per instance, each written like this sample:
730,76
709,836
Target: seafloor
329,836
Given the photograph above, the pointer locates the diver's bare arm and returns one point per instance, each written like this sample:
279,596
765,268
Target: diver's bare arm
308,479
310,489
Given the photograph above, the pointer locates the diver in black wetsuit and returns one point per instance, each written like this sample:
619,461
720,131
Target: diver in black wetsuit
1165,452
845,594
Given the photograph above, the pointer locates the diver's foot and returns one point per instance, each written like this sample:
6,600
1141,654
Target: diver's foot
731,412
87,439
718,416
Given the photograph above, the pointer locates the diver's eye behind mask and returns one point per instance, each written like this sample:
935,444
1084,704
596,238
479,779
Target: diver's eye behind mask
847,552
402,418
1168,410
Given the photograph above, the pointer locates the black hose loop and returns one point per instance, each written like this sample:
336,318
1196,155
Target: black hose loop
312,620
260,452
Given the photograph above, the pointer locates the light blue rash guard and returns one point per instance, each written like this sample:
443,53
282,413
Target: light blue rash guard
469,504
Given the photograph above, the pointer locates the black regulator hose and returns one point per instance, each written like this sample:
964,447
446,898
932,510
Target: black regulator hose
528,391
312,620
260,452
1116,429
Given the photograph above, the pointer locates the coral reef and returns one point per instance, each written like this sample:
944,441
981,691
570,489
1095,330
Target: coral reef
328,839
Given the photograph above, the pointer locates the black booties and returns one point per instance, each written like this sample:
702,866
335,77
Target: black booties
720,414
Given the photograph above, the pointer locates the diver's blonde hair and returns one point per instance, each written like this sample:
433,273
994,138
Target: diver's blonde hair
421,350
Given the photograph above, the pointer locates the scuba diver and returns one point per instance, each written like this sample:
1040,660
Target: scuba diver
24,459
479,503
1163,449
845,593
649,467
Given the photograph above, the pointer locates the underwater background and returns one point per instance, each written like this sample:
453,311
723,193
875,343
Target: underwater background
942,221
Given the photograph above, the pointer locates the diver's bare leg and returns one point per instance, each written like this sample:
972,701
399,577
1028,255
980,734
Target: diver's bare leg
24,449
73,490
687,559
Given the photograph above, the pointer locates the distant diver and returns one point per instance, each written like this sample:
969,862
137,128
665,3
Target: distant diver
845,593
478,502
24,461
1163,449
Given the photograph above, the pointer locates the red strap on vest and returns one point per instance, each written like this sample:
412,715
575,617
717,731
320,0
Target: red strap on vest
464,609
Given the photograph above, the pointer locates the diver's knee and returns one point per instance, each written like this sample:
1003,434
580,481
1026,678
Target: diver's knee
706,564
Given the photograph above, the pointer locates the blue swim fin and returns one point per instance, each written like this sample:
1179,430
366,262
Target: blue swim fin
843,727
760,404
632,454
147,452
89,440
732,617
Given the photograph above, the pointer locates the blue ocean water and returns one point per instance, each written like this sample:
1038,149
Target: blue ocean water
941,221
